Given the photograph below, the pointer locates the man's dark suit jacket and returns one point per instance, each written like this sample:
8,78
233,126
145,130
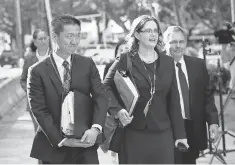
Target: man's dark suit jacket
165,111
45,97
202,105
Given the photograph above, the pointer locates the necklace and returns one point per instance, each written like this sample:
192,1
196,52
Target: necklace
149,61
152,87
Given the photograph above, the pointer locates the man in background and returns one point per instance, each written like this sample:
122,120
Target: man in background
196,98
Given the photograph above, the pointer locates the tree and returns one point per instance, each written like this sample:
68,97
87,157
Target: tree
186,13
123,10
190,13
7,12
28,16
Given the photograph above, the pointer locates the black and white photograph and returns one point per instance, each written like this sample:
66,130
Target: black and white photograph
117,82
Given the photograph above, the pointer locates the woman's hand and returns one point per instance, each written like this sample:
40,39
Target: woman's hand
124,117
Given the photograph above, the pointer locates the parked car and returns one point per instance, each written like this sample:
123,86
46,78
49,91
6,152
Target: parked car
9,58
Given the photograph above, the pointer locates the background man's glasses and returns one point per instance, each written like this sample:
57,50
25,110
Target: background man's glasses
181,42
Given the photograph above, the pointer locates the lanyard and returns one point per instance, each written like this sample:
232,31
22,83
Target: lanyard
152,85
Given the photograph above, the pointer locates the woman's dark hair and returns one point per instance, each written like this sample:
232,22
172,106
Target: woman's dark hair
137,26
33,47
117,47
35,33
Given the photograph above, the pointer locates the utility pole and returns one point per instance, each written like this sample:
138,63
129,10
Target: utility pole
19,37
49,19
104,22
232,10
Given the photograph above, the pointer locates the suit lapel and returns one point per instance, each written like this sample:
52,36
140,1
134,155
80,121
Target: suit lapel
53,73
190,70
140,67
74,70
161,70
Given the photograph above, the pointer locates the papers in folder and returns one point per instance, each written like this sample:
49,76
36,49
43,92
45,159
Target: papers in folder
127,90
67,114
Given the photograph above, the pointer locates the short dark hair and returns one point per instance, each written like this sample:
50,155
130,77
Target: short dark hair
59,22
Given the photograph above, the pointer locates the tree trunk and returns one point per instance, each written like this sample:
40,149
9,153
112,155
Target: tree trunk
176,8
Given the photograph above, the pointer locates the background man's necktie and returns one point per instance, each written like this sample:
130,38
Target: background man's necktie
185,91
67,78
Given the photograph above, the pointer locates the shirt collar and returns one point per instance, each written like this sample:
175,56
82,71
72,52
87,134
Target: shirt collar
59,61
41,57
181,61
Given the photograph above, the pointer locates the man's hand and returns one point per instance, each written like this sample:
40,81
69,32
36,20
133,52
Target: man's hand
71,142
184,141
214,132
90,136
124,117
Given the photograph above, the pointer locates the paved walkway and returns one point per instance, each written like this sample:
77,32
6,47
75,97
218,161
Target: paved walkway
16,135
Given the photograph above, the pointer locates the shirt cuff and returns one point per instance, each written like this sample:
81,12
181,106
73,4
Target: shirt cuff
97,126
215,125
61,143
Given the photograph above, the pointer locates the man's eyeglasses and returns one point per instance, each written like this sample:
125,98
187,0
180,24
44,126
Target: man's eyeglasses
155,31
72,36
180,42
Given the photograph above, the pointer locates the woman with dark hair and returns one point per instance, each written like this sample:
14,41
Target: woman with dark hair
120,47
156,124
38,50
32,46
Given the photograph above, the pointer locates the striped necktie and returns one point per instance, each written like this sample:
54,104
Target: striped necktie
67,78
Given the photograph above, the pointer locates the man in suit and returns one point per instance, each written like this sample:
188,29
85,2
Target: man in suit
38,49
49,81
196,98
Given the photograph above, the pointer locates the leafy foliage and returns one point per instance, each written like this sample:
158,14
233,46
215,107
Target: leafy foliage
186,13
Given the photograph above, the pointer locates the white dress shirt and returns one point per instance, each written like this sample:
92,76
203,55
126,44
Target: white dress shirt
59,64
184,69
42,57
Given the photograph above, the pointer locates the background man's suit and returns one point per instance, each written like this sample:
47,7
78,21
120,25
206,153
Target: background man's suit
45,98
202,107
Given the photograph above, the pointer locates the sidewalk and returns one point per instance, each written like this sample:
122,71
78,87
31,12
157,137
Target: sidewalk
16,136
229,158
